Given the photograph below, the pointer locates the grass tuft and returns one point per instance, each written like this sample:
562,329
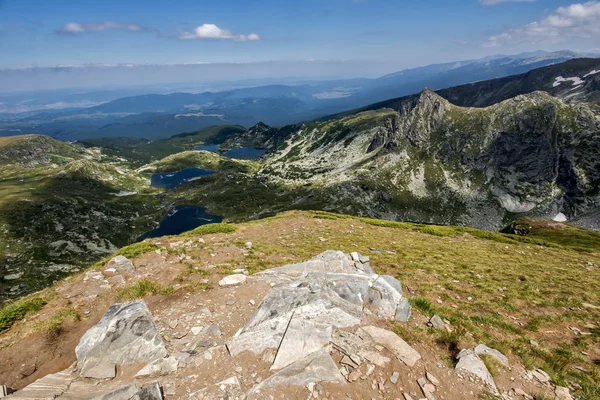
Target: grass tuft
132,251
137,249
422,304
210,229
52,326
142,288
17,310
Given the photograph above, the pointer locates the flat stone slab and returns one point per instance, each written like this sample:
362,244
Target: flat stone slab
316,367
160,367
121,263
301,338
393,343
232,280
125,335
330,262
258,338
49,387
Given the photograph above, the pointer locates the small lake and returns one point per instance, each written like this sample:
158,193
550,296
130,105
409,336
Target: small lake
245,153
181,219
207,147
170,180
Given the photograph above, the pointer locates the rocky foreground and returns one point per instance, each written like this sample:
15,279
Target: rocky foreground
321,330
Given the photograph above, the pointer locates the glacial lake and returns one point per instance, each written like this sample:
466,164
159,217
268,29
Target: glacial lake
181,219
243,153
171,180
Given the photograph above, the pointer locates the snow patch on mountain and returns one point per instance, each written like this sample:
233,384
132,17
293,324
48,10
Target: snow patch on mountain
575,80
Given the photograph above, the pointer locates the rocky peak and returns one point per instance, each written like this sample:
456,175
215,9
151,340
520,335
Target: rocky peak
417,123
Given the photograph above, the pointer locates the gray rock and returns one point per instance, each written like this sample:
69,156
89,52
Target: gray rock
301,338
125,335
124,393
160,367
210,331
316,367
260,337
330,262
432,379
384,297
121,263
102,371
437,322
427,388
93,276
469,362
403,310
48,387
393,343
563,393
366,266
495,354
394,378
152,391
542,376
232,280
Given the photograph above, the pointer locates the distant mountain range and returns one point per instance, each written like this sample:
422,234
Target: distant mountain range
162,115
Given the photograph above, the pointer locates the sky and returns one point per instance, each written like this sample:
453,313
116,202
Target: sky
376,36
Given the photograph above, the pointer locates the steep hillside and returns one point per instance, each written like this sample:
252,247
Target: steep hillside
229,318
62,207
36,150
142,151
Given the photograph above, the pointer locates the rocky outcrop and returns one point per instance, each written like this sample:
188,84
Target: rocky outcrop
317,304
125,335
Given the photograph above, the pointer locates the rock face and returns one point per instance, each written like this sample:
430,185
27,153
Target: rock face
318,303
330,291
316,367
125,335
425,159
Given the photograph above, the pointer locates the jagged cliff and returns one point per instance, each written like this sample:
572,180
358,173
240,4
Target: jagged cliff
432,161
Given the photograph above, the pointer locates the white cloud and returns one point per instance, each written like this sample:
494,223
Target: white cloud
75,28
580,20
212,31
494,2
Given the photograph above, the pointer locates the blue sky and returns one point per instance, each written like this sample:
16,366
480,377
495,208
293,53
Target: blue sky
401,33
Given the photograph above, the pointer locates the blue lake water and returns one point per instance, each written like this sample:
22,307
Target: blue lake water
245,153
173,179
181,219
207,147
